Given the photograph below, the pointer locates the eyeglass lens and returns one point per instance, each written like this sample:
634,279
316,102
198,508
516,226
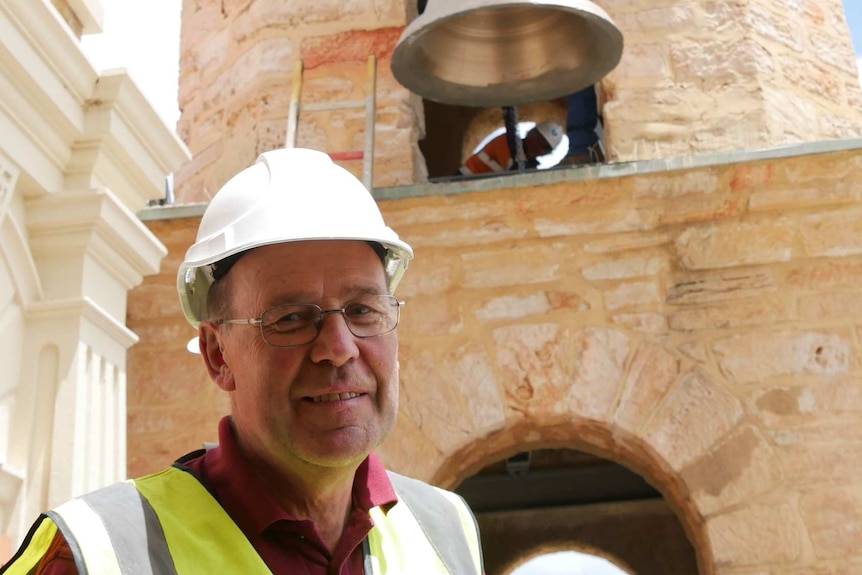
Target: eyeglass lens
298,324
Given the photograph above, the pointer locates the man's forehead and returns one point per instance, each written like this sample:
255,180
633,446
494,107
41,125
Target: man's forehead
221,267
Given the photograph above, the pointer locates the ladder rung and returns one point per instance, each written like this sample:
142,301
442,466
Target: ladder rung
354,155
318,106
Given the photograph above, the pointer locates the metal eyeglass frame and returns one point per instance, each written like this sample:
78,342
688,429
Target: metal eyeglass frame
318,325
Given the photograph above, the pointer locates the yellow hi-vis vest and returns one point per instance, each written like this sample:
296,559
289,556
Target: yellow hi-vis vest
169,524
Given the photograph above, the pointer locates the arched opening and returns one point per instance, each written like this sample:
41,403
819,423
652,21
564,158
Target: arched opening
563,499
546,161
452,133
568,563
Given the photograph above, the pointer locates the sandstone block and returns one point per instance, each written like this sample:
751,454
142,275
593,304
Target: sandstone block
624,242
511,307
656,19
599,360
408,450
696,413
350,46
652,323
431,274
833,49
291,14
632,294
717,60
625,268
795,198
826,274
731,315
825,306
739,468
774,26
459,234
699,183
651,373
516,266
835,233
834,520
432,403
644,61
811,412
756,535
817,462
536,367
473,375
755,357
432,317
596,223
736,244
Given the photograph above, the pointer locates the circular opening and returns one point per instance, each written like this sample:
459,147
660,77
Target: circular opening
546,161
568,563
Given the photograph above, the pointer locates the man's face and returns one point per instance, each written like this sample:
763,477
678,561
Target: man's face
327,403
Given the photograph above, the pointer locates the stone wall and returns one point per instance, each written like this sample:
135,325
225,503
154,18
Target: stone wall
693,320
696,76
707,75
236,67
698,325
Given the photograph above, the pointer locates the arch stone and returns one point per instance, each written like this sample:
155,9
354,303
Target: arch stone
641,403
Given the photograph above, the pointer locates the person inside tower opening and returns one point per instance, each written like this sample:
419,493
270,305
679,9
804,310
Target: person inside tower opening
582,123
290,284
496,157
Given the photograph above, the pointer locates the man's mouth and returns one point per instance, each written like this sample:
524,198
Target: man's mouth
334,397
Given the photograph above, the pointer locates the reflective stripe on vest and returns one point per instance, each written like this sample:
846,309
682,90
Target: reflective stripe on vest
169,524
429,517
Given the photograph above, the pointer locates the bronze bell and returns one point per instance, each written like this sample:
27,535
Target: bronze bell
488,53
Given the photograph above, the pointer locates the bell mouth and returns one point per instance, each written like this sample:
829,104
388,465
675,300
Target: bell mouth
486,53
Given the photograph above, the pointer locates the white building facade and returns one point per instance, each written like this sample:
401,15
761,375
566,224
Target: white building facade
80,153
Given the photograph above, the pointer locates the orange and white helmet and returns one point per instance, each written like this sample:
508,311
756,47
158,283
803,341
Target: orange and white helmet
552,132
287,195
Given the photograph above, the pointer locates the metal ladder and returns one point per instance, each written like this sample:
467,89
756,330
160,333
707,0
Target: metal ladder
369,103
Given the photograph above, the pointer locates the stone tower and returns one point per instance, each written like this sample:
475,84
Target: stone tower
696,76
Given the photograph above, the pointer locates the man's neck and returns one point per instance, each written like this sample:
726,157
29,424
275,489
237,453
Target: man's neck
323,495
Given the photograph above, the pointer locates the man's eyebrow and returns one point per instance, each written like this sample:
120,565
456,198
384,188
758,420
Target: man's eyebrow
347,293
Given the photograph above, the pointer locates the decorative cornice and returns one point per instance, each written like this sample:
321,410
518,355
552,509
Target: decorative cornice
83,308
66,126
136,149
90,13
96,223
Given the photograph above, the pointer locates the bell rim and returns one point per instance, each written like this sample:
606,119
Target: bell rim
492,95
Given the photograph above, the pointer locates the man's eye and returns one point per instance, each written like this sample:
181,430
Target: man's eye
287,320
358,309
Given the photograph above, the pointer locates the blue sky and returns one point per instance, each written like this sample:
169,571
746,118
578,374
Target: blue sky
853,10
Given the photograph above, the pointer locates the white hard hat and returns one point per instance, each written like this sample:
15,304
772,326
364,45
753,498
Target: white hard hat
287,195
552,132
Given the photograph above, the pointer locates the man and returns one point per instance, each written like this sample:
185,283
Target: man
290,284
582,119
496,157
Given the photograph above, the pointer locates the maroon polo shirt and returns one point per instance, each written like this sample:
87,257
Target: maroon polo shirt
287,546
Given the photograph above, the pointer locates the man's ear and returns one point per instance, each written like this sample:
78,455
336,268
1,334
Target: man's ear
212,350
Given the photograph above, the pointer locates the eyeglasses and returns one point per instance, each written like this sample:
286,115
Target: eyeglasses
295,324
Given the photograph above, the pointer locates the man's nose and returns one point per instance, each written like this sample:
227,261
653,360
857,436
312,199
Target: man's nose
335,342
